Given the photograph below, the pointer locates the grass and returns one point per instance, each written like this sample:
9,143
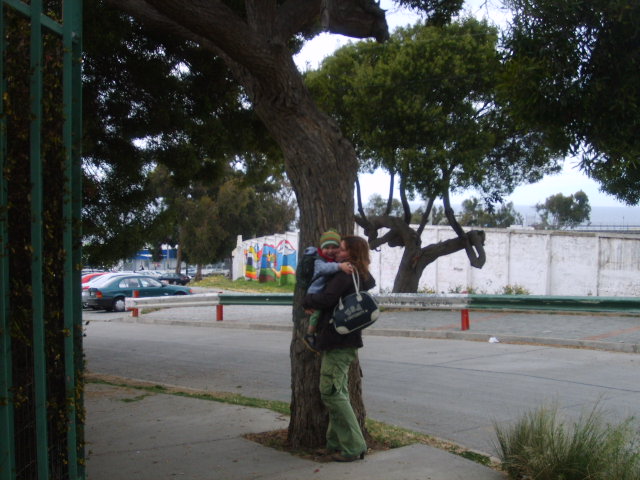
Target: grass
382,436
541,446
223,397
243,285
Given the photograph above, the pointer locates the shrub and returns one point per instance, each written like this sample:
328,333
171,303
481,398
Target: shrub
461,289
514,290
540,446
428,290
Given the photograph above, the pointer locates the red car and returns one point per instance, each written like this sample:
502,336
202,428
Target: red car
89,276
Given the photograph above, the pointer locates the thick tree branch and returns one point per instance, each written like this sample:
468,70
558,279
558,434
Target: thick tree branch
425,216
359,199
399,234
475,248
297,15
446,247
261,15
450,214
158,21
392,178
355,18
406,208
212,24
473,241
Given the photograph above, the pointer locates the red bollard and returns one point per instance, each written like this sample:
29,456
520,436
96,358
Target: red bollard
134,311
464,319
219,312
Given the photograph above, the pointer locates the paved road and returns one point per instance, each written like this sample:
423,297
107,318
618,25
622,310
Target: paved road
608,332
453,389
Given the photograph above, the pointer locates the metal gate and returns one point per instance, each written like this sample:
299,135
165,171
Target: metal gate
41,408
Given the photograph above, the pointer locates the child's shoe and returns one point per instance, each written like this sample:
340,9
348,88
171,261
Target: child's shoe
309,341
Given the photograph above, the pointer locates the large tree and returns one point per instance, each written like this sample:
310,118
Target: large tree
475,213
559,211
423,107
253,38
207,218
154,100
573,71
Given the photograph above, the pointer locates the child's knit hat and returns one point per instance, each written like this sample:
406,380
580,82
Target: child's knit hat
330,237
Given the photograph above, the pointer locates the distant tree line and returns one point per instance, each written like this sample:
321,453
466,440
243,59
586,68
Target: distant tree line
557,212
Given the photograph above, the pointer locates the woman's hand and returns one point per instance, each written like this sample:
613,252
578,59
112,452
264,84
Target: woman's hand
346,267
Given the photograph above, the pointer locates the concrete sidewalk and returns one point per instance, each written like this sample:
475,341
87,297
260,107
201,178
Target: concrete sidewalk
139,435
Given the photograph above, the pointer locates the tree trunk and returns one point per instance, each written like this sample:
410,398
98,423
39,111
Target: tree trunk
409,274
416,259
322,168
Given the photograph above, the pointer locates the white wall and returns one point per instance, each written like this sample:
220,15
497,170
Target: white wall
542,262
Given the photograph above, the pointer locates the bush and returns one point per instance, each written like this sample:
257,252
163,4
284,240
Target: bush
460,289
514,290
540,446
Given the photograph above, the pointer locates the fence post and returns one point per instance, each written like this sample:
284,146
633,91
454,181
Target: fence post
135,311
464,319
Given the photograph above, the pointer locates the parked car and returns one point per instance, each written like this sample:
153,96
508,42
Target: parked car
110,294
96,282
150,273
89,276
175,278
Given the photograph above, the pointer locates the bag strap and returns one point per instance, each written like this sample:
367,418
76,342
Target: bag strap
356,279
356,282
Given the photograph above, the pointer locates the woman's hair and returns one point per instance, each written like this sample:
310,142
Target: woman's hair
358,250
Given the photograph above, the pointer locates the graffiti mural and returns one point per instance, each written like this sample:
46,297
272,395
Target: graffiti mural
270,259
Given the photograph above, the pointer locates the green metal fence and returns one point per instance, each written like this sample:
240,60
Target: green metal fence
30,446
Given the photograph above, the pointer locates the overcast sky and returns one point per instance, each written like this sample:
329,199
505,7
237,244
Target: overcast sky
568,182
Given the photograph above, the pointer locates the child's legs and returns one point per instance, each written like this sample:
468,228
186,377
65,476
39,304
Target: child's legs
313,321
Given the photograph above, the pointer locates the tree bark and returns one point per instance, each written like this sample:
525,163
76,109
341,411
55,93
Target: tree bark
320,163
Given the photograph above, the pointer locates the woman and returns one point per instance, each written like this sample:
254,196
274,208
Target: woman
344,437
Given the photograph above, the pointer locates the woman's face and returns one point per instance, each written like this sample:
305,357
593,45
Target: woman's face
343,253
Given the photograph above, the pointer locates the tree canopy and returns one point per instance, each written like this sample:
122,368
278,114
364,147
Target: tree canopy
149,100
424,107
559,211
572,71
475,213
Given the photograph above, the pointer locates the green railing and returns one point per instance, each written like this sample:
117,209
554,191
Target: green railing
256,299
555,303
511,302
423,301
17,457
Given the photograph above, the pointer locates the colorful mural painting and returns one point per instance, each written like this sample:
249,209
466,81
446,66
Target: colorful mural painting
250,262
270,259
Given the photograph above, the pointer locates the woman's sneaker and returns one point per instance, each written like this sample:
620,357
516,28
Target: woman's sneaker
339,457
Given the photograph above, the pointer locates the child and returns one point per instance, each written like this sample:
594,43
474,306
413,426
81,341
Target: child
323,267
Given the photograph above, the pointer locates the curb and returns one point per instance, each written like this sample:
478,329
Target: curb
509,339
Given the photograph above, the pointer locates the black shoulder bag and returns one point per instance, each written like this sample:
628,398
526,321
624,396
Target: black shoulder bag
355,311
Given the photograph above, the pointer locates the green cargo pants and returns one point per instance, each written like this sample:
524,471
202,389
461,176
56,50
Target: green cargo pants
343,433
